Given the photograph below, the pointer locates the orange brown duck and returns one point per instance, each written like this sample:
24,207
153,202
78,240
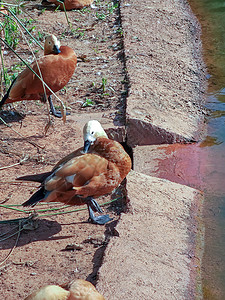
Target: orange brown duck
49,292
69,4
56,67
82,290
80,177
78,289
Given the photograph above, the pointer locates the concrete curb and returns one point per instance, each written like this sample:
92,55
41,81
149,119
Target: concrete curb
152,257
159,249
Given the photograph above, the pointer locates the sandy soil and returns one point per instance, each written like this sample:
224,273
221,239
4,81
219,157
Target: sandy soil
39,257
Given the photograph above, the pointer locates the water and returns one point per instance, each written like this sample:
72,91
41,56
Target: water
213,269
211,14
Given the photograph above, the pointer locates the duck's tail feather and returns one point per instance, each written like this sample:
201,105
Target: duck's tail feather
2,102
35,177
4,99
36,197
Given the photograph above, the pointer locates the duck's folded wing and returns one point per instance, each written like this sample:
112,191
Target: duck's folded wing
77,171
18,88
88,165
27,83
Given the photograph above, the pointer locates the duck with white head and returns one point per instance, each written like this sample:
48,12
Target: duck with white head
89,172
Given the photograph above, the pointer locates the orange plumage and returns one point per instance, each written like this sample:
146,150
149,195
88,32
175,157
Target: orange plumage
82,290
56,67
49,292
79,177
78,289
69,4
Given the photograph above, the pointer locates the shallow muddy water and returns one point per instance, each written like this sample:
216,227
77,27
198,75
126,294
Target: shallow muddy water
202,165
211,14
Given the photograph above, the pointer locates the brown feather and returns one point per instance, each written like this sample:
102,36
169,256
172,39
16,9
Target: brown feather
83,290
94,174
78,289
56,70
72,4
50,292
78,175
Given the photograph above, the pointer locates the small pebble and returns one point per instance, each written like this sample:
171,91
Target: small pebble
74,247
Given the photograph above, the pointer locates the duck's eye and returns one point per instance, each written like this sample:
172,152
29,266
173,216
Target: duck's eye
92,132
49,43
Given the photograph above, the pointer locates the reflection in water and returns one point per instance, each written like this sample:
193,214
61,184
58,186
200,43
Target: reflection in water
211,16
210,141
202,165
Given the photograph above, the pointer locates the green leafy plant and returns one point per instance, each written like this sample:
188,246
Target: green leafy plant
10,74
40,36
57,8
88,102
11,32
43,10
84,10
101,16
120,31
104,82
80,32
96,50
17,8
112,7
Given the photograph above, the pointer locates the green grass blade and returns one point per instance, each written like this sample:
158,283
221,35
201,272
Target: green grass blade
18,20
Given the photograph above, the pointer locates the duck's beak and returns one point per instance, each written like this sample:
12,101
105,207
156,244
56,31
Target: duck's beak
87,145
56,49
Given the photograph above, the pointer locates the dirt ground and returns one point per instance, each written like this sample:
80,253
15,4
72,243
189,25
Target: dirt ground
105,71
39,256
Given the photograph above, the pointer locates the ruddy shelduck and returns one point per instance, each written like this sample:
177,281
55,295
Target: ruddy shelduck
69,4
56,67
49,292
89,172
78,289
83,290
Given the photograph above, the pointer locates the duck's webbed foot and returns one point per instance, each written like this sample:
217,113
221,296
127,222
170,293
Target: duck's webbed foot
94,206
55,113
